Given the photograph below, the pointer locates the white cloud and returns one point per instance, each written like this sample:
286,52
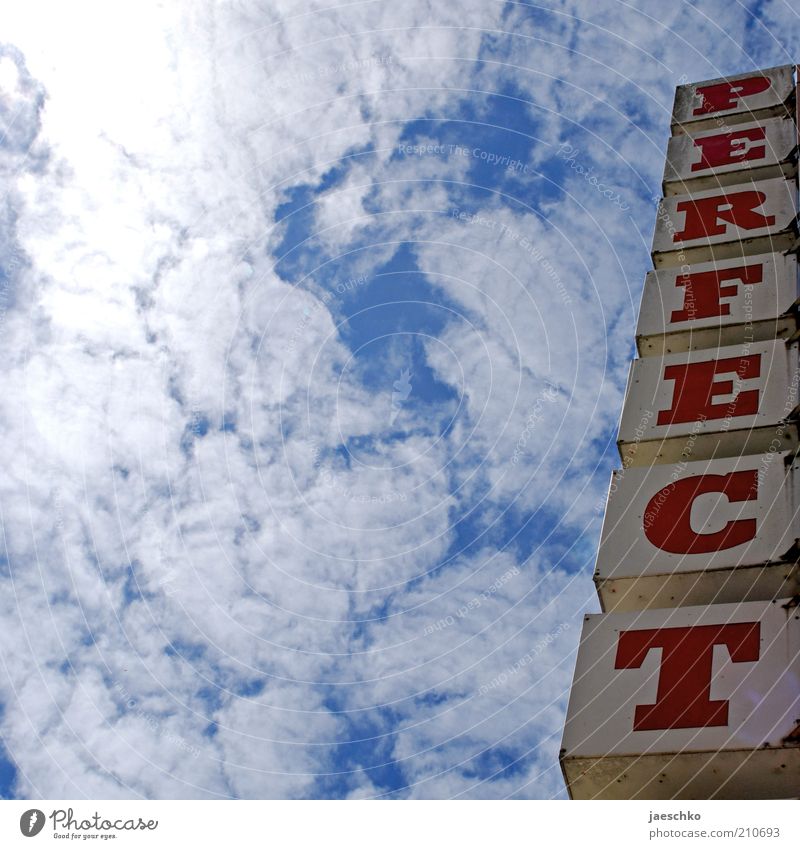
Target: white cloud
194,566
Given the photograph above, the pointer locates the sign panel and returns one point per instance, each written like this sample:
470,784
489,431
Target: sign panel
715,304
723,156
730,100
751,217
673,700
691,703
711,403
702,532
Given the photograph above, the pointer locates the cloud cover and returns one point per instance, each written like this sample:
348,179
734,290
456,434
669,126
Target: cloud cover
238,560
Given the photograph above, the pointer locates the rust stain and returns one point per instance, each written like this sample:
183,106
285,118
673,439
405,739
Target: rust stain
793,736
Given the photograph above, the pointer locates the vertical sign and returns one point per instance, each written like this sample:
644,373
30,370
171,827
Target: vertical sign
687,685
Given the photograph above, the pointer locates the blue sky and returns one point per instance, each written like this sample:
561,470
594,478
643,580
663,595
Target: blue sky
316,331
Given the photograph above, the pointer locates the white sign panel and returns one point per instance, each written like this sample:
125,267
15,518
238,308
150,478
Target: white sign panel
729,100
700,533
751,217
723,156
717,303
711,403
690,703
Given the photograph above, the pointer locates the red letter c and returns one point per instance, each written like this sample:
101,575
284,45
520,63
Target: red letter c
670,526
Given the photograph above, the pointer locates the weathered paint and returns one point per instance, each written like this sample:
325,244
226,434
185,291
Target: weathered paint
712,403
703,532
725,156
721,223
693,702
731,100
716,304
